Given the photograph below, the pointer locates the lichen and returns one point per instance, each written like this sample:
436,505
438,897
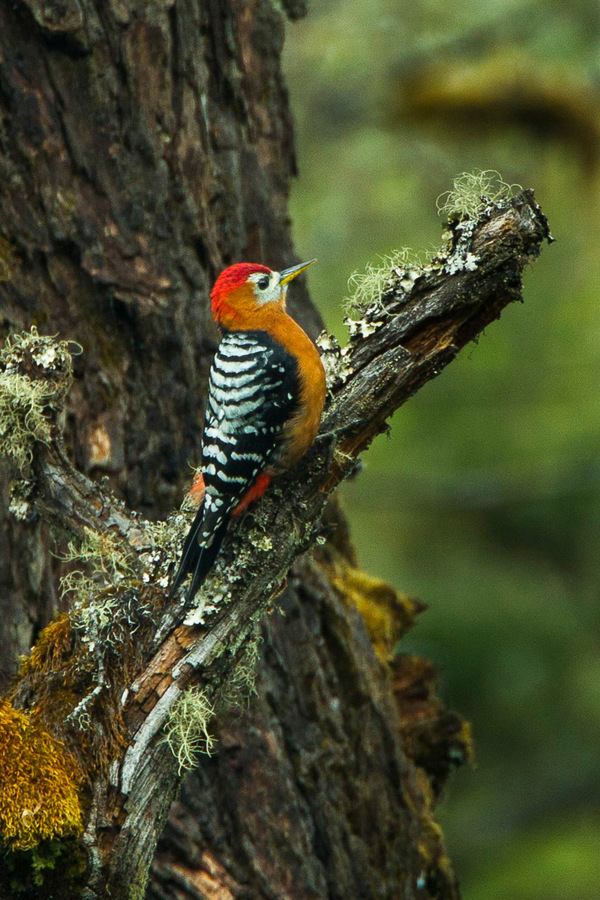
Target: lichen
362,327
369,287
186,729
473,192
156,545
337,369
263,542
22,507
461,262
168,533
22,419
35,374
97,604
204,607
38,799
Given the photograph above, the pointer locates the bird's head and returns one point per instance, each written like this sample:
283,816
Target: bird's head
245,288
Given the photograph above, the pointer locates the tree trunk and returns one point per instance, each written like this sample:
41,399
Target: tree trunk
143,147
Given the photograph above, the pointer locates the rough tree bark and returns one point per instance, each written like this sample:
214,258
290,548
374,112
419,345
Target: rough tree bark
144,146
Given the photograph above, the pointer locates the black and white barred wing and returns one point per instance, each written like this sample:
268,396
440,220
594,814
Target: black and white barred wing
253,392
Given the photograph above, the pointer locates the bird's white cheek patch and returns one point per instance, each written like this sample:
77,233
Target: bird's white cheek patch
270,294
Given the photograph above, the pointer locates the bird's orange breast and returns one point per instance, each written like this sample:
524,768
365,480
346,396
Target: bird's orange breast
302,428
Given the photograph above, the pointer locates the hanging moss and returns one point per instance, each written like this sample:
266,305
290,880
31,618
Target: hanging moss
186,730
38,795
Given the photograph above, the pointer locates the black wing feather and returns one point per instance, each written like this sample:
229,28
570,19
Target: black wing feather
253,392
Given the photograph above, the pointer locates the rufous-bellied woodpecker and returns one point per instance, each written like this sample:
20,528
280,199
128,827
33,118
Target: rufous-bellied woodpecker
265,399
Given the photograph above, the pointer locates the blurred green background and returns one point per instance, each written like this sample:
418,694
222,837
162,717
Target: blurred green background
485,502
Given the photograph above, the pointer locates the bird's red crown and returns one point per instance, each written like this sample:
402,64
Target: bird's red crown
229,280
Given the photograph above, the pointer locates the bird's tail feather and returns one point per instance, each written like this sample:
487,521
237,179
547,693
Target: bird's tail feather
205,557
197,558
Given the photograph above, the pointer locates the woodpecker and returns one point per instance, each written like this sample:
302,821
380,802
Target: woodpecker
265,399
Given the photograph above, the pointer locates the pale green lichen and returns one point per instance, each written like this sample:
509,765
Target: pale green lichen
368,287
397,271
167,534
21,505
473,192
103,553
97,609
263,542
186,729
27,401
333,357
22,417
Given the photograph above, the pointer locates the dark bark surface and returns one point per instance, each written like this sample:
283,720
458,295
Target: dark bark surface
143,147
313,777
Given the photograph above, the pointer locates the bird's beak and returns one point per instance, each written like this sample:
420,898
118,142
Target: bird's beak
287,274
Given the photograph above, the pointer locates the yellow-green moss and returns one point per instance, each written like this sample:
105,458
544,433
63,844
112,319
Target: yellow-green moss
387,613
53,675
435,862
38,793
51,648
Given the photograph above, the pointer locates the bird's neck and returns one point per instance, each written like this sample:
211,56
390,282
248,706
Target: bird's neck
248,316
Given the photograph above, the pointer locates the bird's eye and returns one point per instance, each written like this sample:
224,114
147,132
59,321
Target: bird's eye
263,282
